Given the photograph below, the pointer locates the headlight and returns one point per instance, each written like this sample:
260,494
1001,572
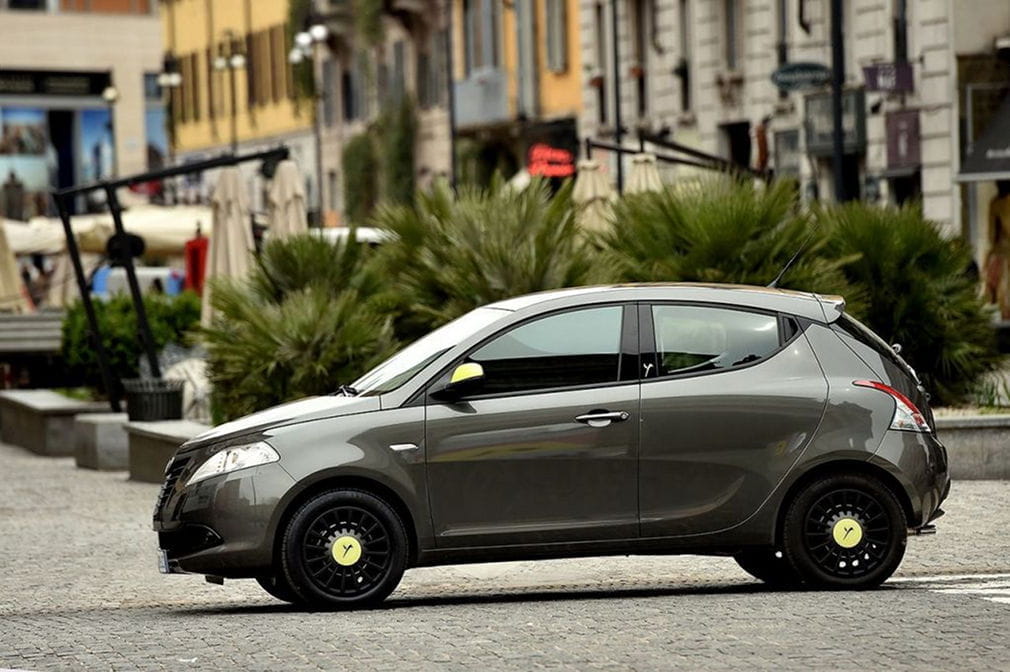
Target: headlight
234,458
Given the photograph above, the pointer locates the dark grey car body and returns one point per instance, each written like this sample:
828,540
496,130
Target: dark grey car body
702,464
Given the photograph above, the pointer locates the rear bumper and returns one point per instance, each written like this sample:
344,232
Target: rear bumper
220,526
919,462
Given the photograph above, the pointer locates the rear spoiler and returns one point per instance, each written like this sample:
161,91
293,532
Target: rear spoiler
832,306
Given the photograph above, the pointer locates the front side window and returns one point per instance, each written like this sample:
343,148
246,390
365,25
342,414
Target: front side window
576,348
697,339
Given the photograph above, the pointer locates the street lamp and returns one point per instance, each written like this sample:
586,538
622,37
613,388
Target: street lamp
231,63
169,79
307,44
110,95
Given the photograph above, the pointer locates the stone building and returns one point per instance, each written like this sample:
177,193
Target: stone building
78,96
698,73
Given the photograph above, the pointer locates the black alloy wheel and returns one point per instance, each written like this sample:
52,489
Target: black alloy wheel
344,548
847,531
770,566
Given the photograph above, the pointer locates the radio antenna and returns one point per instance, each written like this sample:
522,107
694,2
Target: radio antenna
778,278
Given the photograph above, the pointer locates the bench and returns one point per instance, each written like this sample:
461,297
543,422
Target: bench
152,445
35,333
100,441
42,421
978,446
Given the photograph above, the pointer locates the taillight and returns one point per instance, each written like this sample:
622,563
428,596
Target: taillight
907,417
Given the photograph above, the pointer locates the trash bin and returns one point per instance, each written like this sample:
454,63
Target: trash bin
153,398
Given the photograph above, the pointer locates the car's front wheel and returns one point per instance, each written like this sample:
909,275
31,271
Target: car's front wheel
344,549
846,531
768,565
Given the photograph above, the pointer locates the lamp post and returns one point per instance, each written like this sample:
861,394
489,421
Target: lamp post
170,80
110,95
307,45
232,62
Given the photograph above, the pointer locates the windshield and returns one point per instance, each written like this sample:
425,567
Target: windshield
405,364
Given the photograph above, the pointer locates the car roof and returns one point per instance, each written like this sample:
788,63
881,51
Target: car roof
821,308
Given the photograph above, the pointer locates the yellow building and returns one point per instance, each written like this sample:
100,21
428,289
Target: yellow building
237,86
518,89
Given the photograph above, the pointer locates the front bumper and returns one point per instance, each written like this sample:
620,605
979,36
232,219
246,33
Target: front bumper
221,525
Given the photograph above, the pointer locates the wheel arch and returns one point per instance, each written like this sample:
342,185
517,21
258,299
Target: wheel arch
350,481
834,468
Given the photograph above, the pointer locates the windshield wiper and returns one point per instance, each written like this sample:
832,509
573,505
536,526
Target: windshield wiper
346,391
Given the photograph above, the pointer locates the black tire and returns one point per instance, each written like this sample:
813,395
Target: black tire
344,549
763,564
845,532
277,587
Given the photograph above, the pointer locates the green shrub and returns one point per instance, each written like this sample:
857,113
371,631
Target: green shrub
171,318
361,186
451,254
719,230
916,291
303,322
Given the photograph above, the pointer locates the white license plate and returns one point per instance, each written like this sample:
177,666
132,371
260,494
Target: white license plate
162,561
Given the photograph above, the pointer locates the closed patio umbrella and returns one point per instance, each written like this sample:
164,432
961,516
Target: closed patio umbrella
12,290
644,175
286,214
231,240
592,194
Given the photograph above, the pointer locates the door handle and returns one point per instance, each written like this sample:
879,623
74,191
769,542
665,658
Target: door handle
602,418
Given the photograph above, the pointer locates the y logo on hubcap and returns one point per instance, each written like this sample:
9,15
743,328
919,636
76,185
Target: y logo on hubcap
346,550
847,533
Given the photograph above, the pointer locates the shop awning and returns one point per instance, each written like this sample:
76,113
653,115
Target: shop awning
989,158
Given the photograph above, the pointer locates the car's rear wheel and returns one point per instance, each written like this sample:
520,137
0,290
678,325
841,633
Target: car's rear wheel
846,531
344,549
277,587
768,565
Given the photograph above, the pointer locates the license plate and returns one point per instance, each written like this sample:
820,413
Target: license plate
163,561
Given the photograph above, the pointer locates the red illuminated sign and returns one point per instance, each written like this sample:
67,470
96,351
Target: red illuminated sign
548,161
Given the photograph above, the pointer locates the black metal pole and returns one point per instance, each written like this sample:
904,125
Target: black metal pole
89,307
837,82
618,130
143,326
451,90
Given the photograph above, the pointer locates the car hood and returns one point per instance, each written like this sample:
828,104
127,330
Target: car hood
303,410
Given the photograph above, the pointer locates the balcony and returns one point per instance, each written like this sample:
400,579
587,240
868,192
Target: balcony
482,98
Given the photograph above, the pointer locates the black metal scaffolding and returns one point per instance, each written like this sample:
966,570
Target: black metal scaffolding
64,197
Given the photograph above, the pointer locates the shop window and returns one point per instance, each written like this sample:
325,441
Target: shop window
557,36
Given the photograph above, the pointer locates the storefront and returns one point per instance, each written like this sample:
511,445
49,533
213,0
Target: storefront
819,132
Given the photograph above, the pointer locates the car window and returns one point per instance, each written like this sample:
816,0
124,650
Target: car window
580,347
700,338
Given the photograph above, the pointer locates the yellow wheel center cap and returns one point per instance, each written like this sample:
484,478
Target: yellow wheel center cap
346,550
847,533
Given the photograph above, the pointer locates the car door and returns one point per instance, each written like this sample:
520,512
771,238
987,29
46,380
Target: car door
546,450
730,399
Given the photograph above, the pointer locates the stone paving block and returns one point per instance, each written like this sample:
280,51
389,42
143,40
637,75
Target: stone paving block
100,441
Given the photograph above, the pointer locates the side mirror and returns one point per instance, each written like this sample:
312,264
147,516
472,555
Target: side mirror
466,378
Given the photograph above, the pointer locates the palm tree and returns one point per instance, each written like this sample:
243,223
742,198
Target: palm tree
303,322
917,291
450,254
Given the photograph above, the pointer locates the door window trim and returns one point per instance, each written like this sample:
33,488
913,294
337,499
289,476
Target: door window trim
647,337
628,356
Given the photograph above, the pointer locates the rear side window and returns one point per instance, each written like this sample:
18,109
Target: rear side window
581,347
862,334
697,339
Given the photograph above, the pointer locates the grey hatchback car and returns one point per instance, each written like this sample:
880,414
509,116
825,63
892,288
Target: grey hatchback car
634,419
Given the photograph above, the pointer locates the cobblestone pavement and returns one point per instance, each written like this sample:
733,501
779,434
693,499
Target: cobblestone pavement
79,589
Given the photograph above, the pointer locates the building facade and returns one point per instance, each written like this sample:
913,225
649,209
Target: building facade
237,90
518,87
697,73
397,65
75,105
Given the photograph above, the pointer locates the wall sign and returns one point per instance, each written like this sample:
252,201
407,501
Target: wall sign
53,83
799,76
889,77
903,151
819,126
548,161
